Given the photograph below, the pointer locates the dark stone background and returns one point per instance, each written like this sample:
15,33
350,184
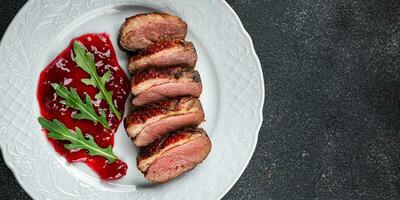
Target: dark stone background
331,115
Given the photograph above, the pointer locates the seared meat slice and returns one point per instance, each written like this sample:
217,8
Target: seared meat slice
159,84
152,121
174,154
165,53
140,31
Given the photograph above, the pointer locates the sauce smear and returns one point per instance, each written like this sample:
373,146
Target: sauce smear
64,70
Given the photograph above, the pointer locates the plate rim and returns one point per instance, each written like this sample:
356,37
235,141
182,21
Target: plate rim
262,101
260,109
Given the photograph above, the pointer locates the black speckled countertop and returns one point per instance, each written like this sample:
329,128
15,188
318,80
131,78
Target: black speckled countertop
332,106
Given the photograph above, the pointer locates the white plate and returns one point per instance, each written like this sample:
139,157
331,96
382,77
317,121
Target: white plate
232,98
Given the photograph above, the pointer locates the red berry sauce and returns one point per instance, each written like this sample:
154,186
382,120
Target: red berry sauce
64,70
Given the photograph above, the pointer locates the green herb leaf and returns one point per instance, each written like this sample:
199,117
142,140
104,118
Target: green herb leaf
86,110
85,61
59,131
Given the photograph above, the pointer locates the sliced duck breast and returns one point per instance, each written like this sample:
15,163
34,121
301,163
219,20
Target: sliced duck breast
159,84
150,122
164,53
174,154
140,31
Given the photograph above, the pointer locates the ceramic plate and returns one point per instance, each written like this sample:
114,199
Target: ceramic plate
232,98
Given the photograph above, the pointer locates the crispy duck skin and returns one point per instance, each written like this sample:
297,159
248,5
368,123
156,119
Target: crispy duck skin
163,54
174,154
142,30
150,122
159,84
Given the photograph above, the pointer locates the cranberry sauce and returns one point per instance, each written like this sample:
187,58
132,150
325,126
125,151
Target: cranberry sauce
64,70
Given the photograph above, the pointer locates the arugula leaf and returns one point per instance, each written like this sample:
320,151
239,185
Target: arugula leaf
59,131
86,110
85,61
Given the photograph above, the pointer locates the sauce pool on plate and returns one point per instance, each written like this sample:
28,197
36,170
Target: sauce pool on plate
63,70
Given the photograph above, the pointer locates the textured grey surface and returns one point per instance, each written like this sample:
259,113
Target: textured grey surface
331,115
